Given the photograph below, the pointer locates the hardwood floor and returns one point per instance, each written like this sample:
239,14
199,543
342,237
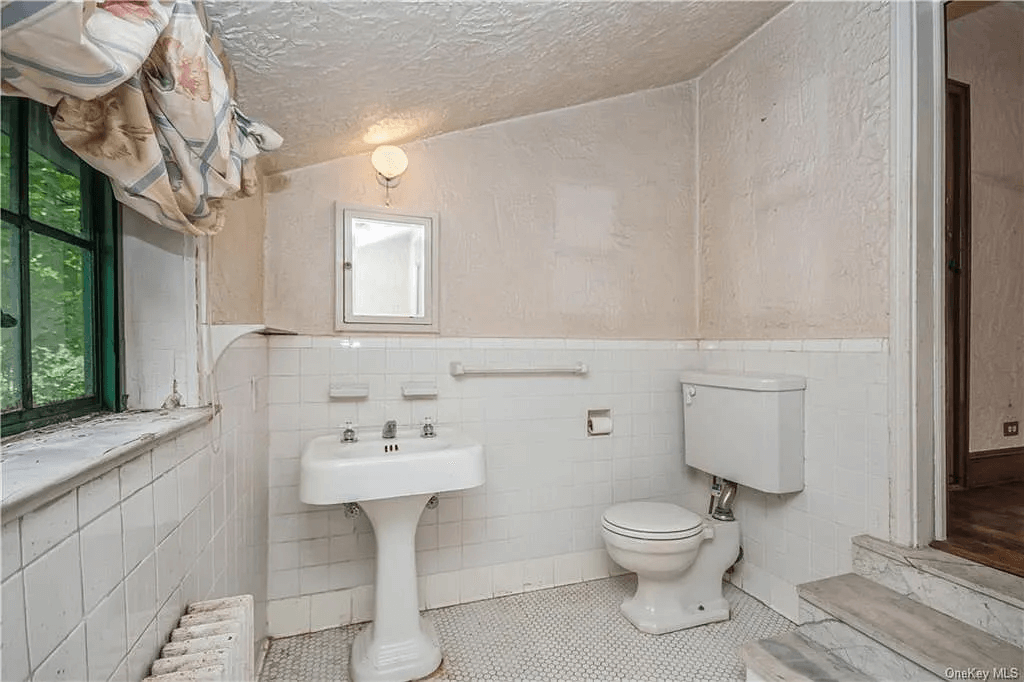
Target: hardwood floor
987,525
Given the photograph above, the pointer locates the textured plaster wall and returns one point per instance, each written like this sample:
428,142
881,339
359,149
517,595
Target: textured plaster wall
235,267
794,178
985,51
572,223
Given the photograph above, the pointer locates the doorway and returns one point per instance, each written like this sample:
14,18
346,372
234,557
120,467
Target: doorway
984,283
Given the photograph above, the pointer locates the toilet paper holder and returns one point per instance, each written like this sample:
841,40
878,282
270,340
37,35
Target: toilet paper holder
599,422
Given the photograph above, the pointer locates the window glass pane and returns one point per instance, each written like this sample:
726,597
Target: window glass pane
54,189
61,295
10,330
8,197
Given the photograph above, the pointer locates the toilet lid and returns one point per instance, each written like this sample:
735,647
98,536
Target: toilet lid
652,521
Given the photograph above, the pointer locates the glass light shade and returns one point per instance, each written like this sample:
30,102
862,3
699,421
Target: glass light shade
389,161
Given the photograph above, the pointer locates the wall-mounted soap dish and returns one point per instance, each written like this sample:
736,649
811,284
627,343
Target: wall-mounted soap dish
419,389
349,391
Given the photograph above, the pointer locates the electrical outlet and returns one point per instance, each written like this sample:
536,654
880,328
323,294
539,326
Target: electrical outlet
1011,428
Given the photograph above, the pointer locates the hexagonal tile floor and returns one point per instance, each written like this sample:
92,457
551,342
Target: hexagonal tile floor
573,632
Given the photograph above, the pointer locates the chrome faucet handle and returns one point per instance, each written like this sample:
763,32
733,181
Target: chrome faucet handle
428,428
348,434
390,429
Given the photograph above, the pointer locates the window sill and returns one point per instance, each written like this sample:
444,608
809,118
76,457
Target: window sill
41,465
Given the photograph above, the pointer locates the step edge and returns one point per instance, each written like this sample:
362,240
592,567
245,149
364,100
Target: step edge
748,649
884,637
934,562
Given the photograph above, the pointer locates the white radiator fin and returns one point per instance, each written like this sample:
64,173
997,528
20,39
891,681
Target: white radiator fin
212,643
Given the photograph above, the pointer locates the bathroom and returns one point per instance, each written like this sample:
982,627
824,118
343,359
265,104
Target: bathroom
742,219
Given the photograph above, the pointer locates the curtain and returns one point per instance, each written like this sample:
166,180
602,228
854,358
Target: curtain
141,92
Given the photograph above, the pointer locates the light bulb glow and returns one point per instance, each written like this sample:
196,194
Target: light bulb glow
389,161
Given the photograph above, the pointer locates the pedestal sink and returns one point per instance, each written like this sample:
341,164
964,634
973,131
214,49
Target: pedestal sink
392,480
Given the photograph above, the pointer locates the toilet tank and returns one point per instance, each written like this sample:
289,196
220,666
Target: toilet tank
747,428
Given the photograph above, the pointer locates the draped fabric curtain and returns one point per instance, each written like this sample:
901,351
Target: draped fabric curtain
141,92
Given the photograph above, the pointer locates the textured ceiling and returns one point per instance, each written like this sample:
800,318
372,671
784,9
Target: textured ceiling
339,78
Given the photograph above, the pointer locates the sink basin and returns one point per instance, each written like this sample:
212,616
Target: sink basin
333,472
392,480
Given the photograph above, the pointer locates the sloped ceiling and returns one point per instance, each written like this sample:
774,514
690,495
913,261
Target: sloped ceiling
339,78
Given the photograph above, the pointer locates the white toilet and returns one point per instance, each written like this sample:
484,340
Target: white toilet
745,428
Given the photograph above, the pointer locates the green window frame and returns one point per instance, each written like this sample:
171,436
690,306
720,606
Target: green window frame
60,287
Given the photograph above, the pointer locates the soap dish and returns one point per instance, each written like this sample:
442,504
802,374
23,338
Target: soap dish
419,389
349,391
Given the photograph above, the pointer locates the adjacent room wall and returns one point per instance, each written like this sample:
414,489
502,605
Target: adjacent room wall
794,178
985,52
575,223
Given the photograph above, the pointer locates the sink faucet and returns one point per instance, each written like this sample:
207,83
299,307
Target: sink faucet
348,435
390,429
428,428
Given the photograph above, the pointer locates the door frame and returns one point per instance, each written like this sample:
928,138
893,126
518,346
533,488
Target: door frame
917,460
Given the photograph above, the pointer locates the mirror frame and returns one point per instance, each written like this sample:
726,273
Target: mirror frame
344,320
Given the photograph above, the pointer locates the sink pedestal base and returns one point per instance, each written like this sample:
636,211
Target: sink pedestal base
399,645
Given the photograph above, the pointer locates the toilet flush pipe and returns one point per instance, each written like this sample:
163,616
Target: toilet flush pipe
723,509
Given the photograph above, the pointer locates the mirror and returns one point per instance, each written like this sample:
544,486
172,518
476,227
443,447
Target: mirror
386,266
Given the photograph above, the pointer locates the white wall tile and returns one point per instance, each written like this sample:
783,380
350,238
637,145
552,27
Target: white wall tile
67,662
106,641
442,589
137,522
136,474
102,557
10,546
475,584
166,514
53,598
330,610
507,578
14,660
288,616
140,593
98,495
45,527
142,653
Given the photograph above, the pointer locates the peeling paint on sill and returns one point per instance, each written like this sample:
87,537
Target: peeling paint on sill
41,465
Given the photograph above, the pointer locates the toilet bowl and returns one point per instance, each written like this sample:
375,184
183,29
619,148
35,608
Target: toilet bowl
679,558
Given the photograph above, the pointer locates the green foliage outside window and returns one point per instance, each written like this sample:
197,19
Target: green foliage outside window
53,245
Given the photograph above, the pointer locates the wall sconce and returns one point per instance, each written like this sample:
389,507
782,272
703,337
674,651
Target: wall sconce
390,162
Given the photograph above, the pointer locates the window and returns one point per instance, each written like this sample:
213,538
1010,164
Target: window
60,320
386,269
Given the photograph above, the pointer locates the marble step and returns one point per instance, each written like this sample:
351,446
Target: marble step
862,653
989,599
931,639
792,657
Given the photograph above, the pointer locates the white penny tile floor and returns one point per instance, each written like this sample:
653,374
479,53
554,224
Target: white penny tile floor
573,632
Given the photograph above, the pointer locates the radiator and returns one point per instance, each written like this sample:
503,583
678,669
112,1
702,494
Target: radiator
212,643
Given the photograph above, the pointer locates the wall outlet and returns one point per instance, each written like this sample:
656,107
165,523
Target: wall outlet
1011,428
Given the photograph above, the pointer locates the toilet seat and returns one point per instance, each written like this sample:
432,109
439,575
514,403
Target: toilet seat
652,521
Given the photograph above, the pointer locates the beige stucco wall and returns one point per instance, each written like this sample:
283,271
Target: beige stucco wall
235,267
572,223
986,51
795,180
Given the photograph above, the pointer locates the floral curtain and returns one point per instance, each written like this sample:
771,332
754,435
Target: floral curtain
141,92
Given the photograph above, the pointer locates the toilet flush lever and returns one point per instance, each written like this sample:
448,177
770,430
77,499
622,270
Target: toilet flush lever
691,391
